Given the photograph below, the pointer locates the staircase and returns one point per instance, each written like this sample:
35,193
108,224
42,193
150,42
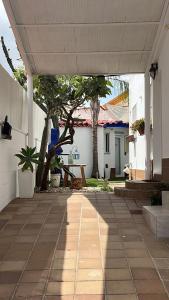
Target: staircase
138,190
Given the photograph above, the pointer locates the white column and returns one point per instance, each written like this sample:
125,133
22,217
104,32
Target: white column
30,110
157,125
147,127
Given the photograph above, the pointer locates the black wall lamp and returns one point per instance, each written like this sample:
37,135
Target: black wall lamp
153,70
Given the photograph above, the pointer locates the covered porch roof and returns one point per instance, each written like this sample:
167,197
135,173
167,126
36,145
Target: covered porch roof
86,36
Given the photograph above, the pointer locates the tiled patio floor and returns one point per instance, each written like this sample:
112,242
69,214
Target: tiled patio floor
80,247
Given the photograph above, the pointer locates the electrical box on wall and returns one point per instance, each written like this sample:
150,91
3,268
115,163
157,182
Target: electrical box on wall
5,129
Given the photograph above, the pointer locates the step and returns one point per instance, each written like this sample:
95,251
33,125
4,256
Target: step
165,199
135,194
143,185
157,218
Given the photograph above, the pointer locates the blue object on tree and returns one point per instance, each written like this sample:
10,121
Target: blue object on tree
54,140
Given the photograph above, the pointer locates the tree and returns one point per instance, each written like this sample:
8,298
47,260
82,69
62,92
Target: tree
73,95
47,91
96,87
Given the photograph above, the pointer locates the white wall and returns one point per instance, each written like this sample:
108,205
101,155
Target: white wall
109,158
157,124
13,103
38,120
137,100
164,70
83,141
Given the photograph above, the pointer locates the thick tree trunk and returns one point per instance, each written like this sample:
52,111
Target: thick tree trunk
95,108
43,148
44,183
64,140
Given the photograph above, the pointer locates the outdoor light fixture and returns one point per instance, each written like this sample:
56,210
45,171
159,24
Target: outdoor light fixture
153,70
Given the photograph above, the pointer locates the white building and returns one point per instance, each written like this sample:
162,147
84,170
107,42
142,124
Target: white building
113,151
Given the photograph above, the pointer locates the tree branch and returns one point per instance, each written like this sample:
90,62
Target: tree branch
10,63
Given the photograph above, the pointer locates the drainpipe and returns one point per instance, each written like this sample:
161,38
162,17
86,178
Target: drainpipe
30,110
147,128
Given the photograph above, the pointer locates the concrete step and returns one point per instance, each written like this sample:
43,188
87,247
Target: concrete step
143,185
157,218
139,194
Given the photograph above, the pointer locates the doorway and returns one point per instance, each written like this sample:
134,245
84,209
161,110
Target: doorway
118,155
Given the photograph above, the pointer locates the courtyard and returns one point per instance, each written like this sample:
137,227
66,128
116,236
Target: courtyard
80,246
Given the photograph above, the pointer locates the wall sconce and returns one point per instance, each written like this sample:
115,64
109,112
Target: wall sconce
6,129
153,70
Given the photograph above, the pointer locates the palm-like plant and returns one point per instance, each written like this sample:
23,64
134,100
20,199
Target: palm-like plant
28,157
96,87
56,164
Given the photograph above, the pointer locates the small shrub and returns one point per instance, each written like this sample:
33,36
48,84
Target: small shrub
106,187
156,199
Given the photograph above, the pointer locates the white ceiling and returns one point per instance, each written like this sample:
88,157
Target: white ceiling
85,36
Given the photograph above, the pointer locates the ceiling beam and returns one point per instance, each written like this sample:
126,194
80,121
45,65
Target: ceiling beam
85,24
90,52
11,17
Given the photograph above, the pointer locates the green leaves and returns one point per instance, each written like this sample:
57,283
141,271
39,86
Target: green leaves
97,86
56,163
138,125
28,157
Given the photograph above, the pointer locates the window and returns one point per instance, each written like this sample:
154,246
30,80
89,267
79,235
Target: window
107,142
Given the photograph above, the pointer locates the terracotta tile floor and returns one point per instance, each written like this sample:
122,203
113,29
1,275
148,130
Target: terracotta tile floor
91,246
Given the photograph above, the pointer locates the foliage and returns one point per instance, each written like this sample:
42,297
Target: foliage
164,186
56,164
21,77
106,187
138,125
97,86
93,182
156,199
27,157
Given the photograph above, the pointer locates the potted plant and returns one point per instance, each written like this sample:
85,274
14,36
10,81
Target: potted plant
55,171
28,157
130,138
139,126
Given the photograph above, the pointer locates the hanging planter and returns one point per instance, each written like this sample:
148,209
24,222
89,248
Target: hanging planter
138,125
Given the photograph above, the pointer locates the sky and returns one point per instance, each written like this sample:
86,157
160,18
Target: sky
6,32
9,39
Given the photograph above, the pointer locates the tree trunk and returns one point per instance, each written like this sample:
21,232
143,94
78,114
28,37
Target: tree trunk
44,183
95,108
43,148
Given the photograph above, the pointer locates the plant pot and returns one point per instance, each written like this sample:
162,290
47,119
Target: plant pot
131,138
76,183
26,183
55,178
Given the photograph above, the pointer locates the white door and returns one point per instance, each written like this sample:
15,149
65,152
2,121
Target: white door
118,155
